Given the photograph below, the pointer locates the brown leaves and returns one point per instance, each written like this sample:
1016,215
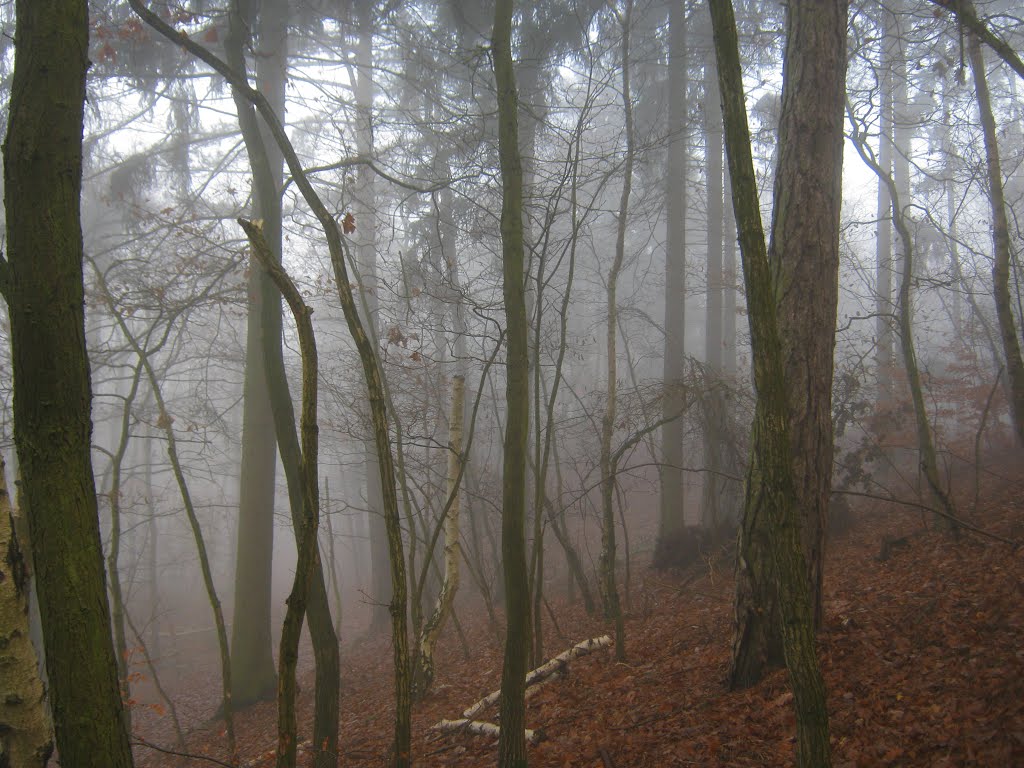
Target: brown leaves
921,657
348,224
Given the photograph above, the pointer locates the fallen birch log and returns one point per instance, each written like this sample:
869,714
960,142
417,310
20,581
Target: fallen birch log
544,670
481,728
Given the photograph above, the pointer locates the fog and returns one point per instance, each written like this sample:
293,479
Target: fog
393,117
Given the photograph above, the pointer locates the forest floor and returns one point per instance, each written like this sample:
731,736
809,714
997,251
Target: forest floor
922,652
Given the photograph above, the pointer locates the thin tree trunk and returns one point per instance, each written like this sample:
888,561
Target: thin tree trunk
884,307
671,516
512,740
609,588
368,359
265,158
117,607
714,405
1000,241
423,667
287,741
925,442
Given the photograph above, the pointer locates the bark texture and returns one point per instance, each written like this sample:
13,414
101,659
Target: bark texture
815,43
52,392
804,259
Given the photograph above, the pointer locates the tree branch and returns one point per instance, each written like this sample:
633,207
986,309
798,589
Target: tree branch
967,15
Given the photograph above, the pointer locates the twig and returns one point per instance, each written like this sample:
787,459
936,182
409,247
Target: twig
940,513
139,741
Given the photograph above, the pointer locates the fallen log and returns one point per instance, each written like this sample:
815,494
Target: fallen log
549,667
481,728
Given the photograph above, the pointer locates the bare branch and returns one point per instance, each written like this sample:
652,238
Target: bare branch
967,15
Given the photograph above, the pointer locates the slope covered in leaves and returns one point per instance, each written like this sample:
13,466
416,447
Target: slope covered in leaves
921,652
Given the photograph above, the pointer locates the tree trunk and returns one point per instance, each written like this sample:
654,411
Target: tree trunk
26,733
423,668
512,741
804,257
925,442
365,212
808,178
265,158
884,307
1000,242
671,516
609,588
117,607
306,562
368,358
253,674
714,402
42,284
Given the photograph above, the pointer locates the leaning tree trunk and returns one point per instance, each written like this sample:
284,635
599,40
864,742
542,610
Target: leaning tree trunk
1000,242
810,133
306,562
42,283
925,441
512,741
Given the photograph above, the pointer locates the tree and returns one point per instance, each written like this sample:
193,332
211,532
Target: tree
671,516
1000,238
609,588
287,741
26,733
423,667
253,676
772,539
512,741
42,283
804,256
265,159
368,358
